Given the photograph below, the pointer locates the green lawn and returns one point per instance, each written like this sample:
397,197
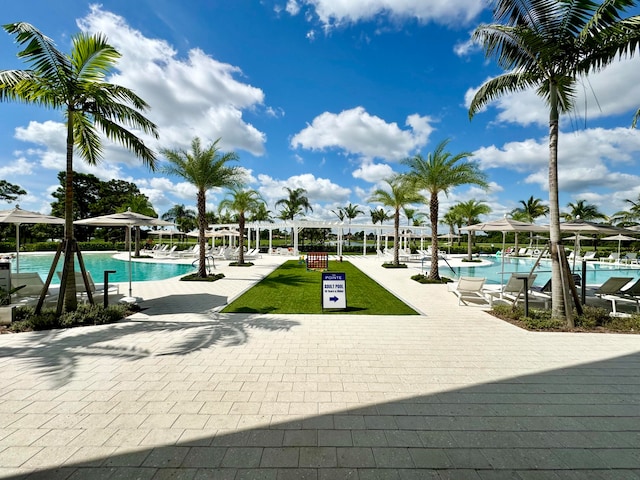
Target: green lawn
293,289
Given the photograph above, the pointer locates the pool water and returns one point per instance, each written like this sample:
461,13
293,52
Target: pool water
97,263
597,273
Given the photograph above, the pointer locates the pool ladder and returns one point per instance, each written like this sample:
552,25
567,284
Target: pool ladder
209,264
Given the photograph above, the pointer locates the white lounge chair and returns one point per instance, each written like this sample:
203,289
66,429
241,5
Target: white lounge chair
96,290
32,286
613,257
513,290
469,289
166,253
614,290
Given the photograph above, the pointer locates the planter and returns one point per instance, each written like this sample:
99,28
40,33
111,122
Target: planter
7,314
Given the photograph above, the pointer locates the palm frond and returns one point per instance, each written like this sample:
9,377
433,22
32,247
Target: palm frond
495,88
127,139
86,138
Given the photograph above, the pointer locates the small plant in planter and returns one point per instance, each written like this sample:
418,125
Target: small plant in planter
238,264
391,265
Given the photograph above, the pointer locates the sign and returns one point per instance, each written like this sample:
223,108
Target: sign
334,290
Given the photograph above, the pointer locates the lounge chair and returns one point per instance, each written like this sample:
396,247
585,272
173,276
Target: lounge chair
629,258
166,253
613,257
613,290
96,290
469,288
589,255
513,290
32,286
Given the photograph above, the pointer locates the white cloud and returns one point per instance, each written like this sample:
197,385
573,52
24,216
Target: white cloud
373,172
20,166
600,92
292,7
318,189
193,96
585,159
357,132
339,12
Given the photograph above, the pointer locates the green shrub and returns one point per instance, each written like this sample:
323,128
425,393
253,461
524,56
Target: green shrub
193,277
391,265
624,324
592,317
421,278
27,320
542,323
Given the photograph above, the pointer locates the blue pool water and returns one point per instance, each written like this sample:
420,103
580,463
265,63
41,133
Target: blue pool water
97,263
597,273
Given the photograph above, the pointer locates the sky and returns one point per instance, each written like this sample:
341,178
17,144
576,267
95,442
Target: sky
325,95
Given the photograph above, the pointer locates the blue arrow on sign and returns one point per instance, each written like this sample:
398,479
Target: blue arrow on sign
333,299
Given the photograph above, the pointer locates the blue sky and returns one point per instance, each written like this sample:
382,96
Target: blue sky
325,95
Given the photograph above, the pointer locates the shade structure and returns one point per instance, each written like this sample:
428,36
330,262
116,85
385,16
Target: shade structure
583,226
620,238
505,225
18,216
124,219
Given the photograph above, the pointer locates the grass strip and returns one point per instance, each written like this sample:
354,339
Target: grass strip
291,289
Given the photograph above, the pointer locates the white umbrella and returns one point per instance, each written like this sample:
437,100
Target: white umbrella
171,232
18,216
505,225
619,237
124,219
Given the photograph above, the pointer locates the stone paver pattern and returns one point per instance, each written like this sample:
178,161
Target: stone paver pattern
182,391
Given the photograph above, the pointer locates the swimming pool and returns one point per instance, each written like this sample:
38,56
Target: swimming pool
97,263
597,273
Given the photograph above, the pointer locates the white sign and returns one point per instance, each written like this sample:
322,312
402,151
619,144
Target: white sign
334,290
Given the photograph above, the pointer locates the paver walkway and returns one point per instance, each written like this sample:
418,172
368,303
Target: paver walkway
182,391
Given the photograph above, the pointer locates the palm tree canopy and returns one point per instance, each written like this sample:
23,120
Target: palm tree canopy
441,170
583,210
76,84
205,168
242,201
530,210
471,210
549,43
295,204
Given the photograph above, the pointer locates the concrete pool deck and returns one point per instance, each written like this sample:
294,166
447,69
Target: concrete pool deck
182,391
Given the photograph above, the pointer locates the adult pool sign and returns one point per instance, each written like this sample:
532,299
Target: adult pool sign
334,290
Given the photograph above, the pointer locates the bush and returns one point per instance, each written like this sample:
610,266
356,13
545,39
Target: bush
420,278
592,317
624,324
193,277
27,320
391,265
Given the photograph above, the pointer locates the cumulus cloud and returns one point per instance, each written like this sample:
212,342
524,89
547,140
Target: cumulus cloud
196,95
359,133
338,12
318,189
585,159
600,92
373,172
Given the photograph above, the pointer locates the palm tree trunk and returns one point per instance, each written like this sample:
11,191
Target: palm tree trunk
558,310
202,226
68,290
434,273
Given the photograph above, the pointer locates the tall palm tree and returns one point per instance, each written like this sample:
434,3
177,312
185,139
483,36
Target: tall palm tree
470,211
631,216
295,204
548,45
205,168
584,211
401,192
529,211
242,202
439,173
183,217
75,83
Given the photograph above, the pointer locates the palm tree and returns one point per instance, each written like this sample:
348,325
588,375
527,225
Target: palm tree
295,204
453,219
242,202
379,215
630,217
440,172
205,168
350,212
75,84
470,211
529,211
584,211
339,213
183,217
401,192
548,44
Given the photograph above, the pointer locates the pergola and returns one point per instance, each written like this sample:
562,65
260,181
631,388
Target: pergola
340,227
